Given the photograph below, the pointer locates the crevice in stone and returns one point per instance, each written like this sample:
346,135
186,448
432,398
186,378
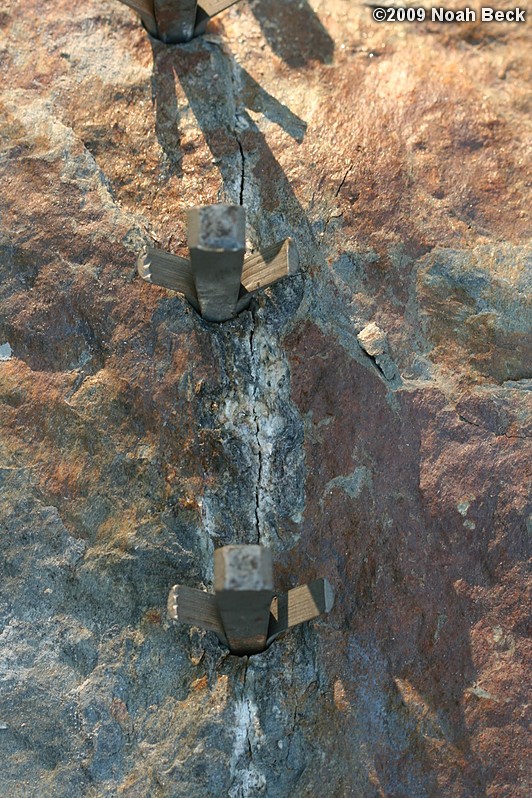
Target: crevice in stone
269,433
237,93
254,376
379,369
491,431
237,137
473,424
76,385
250,749
243,172
388,379
241,763
328,220
344,178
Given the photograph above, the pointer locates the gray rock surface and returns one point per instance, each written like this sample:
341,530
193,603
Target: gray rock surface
135,438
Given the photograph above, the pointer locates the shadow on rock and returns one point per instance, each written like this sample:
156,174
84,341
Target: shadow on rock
293,31
219,94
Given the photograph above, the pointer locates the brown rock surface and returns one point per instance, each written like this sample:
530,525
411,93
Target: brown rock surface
136,438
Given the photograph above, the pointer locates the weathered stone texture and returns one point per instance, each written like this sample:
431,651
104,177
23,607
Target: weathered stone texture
136,438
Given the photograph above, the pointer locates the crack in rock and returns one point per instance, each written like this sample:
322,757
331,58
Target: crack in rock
236,112
247,779
257,428
259,493
239,110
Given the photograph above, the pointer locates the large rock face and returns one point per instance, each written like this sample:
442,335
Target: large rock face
369,419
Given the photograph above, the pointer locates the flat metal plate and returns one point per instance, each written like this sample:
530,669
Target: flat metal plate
299,605
213,7
197,608
269,265
169,271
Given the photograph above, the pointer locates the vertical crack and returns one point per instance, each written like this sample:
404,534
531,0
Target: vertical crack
247,702
248,706
237,94
344,178
243,170
254,374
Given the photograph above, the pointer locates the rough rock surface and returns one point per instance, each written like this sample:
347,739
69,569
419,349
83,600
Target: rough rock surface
136,438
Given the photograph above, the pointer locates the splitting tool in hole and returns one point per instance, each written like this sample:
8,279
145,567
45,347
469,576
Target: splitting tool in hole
218,280
244,610
177,21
